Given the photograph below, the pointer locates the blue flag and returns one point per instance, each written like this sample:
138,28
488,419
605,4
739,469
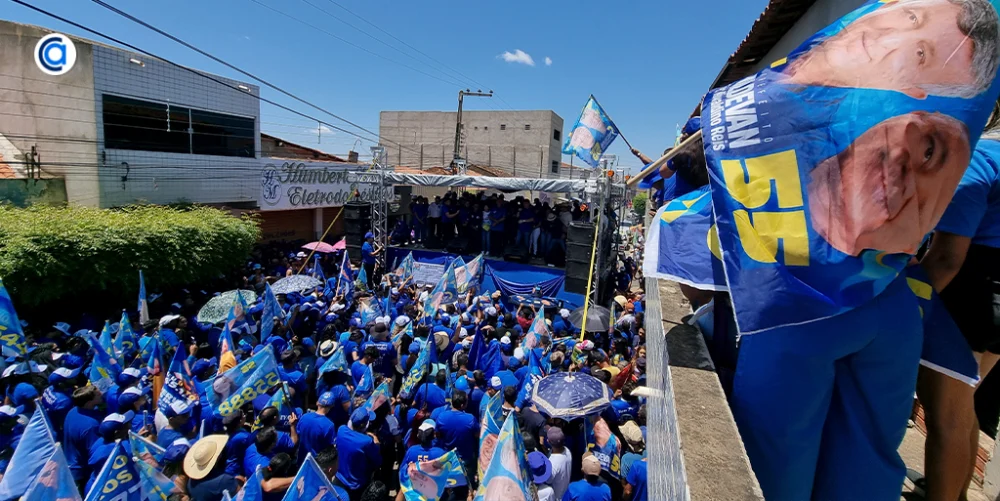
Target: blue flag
12,339
535,374
419,369
310,484
809,207
118,478
336,362
271,311
604,445
227,392
508,468
155,364
144,450
489,430
367,384
179,384
446,291
280,402
54,482
369,311
381,395
251,490
153,484
126,342
591,135
427,480
405,270
537,330
362,281
143,306
318,270
104,368
345,281
469,275
682,244
37,445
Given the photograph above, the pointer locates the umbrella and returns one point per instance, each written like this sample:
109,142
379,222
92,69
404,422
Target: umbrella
598,318
217,308
322,247
341,245
569,395
295,283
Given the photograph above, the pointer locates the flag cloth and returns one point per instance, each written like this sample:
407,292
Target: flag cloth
118,479
345,281
37,445
280,402
427,480
104,368
156,367
310,484
801,212
369,312
533,338
178,383
226,496
469,275
508,471
604,445
535,374
367,384
153,484
227,392
317,271
54,482
126,342
144,450
446,291
591,135
251,490
270,311
143,306
489,430
682,244
418,370
405,270
381,395
12,339
945,349
336,362
362,281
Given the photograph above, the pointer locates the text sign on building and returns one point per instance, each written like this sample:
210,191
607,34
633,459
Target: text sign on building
286,185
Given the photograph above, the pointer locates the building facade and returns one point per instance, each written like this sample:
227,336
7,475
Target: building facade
519,143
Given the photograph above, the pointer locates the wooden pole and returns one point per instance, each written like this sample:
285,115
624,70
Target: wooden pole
691,140
313,251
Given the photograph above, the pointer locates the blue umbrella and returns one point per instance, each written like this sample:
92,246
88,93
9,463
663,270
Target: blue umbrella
295,283
569,395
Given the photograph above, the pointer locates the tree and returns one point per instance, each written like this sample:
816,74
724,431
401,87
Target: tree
639,203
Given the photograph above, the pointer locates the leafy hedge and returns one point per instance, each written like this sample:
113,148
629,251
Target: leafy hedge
50,254
639,204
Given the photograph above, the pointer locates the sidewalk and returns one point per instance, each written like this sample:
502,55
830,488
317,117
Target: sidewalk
912,452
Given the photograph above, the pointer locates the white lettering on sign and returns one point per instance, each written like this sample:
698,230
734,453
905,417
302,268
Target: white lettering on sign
300,185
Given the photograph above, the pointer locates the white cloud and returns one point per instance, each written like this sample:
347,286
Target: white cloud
548,61
321,130
518,56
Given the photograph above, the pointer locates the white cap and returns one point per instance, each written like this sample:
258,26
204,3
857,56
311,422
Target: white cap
166,319
8,411
119,418
132,371
491,311
337,307
428,424
564,313
519,353
66,373
394,291
132,390
402,320
424,295
505,340
463,333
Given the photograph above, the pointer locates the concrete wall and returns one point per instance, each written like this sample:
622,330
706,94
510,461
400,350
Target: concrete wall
820,15
520,152
157,177
53,113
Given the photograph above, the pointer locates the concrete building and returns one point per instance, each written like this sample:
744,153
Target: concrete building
519,143
120,127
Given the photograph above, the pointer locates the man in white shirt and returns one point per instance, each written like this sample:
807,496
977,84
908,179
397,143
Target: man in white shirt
561,460
434,216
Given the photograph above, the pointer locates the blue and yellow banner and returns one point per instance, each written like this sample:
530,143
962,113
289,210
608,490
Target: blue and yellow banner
591,135
507,473
829,167
682,244
54,482
227,392
419,369
427,480
12,343
178,384
310,484
118,479
271,311
153,484
126,342
37,445
489,430
446,291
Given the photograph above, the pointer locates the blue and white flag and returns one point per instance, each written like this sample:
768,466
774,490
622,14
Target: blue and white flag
252,490
271,311
508,473
310,484
227,392
145,450
489,430
54,482
153,484
361,282
381,395
538,330
367,384
118,479
469,275
405,270
427,480
143,306
37,445
126,342
682,244
591,135
179,384
604,445
536,371
345,281
12,339
104,367
419,369
823,191
446,291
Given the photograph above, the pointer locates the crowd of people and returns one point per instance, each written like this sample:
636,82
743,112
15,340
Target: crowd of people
313,412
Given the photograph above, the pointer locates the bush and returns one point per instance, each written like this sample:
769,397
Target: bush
639,204
50,254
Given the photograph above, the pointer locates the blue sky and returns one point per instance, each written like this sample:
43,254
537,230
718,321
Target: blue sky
648,62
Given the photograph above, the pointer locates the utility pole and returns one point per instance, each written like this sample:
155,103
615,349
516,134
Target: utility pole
458,122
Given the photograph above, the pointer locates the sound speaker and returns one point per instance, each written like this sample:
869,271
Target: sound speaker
517,253
357,222
357,210
458,245
576,284
579,242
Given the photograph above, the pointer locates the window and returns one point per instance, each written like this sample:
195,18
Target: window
555,134
555,167
503,126
132,124
527,126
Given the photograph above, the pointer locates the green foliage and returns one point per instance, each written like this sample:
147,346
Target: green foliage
72,253
639,203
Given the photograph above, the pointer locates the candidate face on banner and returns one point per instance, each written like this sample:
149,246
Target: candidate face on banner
829,168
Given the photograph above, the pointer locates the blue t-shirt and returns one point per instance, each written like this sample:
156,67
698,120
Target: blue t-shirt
637,476
254,459
359,457
165,437
498,214
431,394
974,211
386,360
582,490
366,253
316,432
459,430
340,397
79,434
529,214
236,448
358,371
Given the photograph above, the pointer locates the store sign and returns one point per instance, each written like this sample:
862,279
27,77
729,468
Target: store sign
286,185
55,54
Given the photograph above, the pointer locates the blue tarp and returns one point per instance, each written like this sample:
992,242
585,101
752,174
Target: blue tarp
507,277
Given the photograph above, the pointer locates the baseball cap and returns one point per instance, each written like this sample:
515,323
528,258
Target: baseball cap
591,466
301,254
587,345
632,433
564,313
63,374
402,320
129,397
176,451
10,411
496,383
428,424
555,436
505,340
360,418
326,399
23,393
308,342
369,235
177,408
491,311
113,423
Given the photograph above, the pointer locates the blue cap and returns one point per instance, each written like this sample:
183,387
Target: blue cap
128,376
496,383
8,411
326,399
200,367
128,397
369,235
24,393
175,452
115,423
257,349
63,374
360,418
256,266
72,362
177,408
308,342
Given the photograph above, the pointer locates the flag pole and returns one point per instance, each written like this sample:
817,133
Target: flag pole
692,139
590,276
612,122
313,251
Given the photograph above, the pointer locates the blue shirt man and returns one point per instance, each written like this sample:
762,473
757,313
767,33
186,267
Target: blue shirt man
367,253
386,359
458,429
430,394
237,445
316,431
359,452
637,476
498,215
80,430
974,211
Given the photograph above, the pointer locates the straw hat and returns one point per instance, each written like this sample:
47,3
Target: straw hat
201,459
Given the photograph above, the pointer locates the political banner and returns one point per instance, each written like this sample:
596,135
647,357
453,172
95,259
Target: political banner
271,311
54,482
227,392
604,445
153,484
382,395
336,362
118,479
830,166
446,291
507,477
37,445
126,342
104,368
427,480
533,338
143,305
366,385
489,430
12,343
310,484
591,135
252,490
145,450
469,275
417,371
405,270
179,384
682,244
